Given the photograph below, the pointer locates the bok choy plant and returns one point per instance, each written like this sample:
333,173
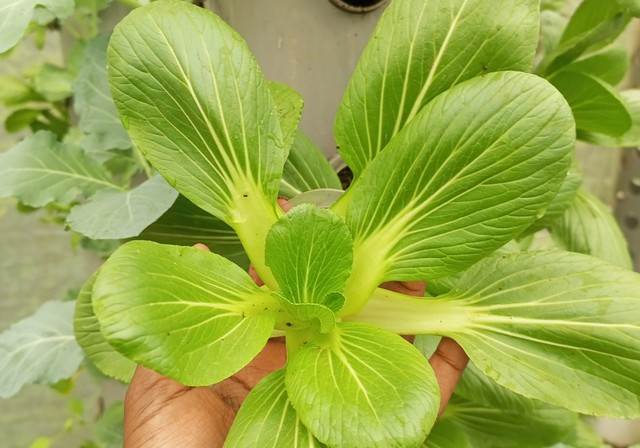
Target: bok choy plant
457,152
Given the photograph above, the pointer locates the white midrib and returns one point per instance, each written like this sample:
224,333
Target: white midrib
436,63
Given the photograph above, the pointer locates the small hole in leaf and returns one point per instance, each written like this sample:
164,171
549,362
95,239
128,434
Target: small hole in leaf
358,6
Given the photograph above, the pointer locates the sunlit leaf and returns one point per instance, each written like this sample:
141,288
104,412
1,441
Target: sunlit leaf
631,100
158,306
88,334
420,49
363,387
267,419
309,251
478,165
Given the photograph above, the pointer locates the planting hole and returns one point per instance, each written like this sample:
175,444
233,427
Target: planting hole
358,6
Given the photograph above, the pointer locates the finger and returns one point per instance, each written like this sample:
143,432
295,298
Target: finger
201,247
448,362
284,204
163,413
410,288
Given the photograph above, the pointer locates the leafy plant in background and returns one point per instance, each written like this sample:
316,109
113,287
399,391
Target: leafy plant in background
434,95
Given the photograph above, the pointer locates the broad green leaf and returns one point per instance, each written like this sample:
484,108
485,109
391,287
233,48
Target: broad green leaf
21,118
552,24
588,227
53,83
559,327
188,314
39,349
494,416
594,24
631,7
185,224
420,49
631,100
288,105
306,169
446,434
363,387
596,106
88,334
309,251
93,103
109,429
477,166
15,16
198,107
40,170
267,419
609,66
485,425
123,214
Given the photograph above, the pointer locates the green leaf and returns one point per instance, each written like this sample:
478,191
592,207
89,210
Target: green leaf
309,251
185,224
18,13
93,103
15,91
288,104
550,326
21,118
188,314
306,169
53,83
267,419
123,214
88,334
420,49
317,316
588,227
198,107
631,7
596,106
568,190
594,25
609,66
587,16
446,434
494,416
477,166
39,349
365,387
109,430
631,100
40,170
41,442
536,427
584,436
